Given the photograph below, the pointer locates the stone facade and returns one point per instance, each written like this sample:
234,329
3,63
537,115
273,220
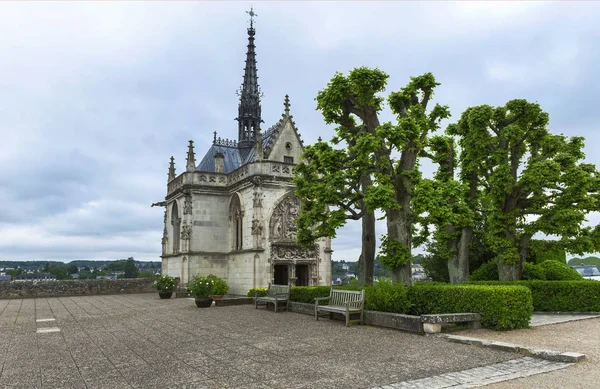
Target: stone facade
234,215
28,289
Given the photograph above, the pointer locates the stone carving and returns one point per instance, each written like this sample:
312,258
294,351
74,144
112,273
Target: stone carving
221,179
186,235
212,179
224,142
165,240
287,252
203,178
187,205
283,221
275,168
257,227
286,169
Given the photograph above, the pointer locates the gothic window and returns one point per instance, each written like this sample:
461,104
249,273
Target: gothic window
288,159
236,216
176,223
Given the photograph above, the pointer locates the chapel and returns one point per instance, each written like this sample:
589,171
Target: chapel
233,213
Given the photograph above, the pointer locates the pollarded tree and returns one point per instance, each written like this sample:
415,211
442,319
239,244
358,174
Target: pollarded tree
388,153
331,183
532,181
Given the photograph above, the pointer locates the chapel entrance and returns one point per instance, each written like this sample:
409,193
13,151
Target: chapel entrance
281,276
301,275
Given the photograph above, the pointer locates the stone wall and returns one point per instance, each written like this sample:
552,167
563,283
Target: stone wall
27,289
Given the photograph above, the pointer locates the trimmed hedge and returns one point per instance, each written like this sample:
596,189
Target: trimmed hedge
502,307
559,296
383,297
547,270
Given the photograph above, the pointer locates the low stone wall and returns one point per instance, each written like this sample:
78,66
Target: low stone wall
28,289
396,321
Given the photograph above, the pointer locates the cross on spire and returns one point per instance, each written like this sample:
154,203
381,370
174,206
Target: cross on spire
286,104
252,15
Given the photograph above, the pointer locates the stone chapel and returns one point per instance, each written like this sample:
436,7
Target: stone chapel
233,214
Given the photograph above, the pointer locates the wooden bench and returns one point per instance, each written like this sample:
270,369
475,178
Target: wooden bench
433,323
346,302
275,294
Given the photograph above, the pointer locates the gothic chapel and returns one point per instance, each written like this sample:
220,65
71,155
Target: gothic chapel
234,213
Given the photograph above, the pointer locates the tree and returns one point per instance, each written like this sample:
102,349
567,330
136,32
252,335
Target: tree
531,181
131,271
331,185
72,269
386,152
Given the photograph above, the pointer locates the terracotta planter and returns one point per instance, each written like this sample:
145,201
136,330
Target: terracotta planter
165,295
203,302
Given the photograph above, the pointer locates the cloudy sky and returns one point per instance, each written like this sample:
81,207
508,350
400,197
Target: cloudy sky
95,97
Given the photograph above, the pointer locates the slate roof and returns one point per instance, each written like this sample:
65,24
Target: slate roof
232,157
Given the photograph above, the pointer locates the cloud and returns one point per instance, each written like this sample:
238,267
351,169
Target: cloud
96,96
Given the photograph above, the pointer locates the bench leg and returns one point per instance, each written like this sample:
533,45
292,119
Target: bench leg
474,325
347,319
316,313
362,317
275,305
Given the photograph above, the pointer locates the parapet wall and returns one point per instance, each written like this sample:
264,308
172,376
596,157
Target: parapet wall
28,289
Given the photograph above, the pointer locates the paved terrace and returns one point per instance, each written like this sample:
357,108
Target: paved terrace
140,341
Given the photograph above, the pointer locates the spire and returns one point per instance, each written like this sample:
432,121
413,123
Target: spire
249,110
171,169
191,158
286,104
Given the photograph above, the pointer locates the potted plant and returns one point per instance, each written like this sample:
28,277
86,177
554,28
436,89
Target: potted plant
165,285
220,287
202,290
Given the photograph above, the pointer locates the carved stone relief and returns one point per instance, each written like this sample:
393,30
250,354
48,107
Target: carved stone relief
292,252
283,221
186,235
187,205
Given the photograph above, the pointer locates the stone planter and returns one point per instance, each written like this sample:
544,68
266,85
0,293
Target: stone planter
203,302
165,295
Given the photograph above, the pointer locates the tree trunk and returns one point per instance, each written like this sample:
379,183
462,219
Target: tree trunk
399,228
509,271
367,265
458,265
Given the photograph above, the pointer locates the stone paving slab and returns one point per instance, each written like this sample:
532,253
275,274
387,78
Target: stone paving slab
141,341
481,376
543,319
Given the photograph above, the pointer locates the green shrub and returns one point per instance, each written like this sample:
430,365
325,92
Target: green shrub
385,296
261,292
307,294
220,286
556,271
165,283
565,296
486,272
559,296
502,307
533,272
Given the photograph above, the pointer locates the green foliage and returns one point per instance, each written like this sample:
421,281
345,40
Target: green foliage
202,286
435,266
307,294
72,269
547,270
533,272
220,286
542,250
386,296
131,271
393,253
165,283
556,271
61,272
142,274
501,307
486,272
560,296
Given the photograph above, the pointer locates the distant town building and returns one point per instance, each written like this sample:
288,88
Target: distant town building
35,277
